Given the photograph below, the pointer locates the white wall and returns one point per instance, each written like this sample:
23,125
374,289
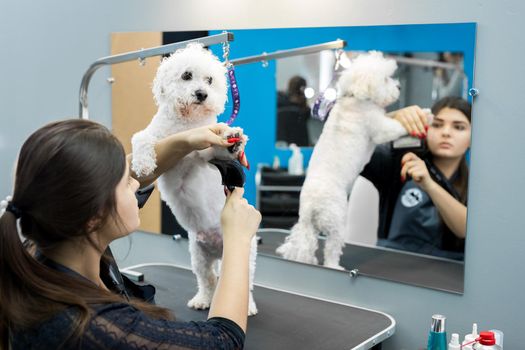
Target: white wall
47,45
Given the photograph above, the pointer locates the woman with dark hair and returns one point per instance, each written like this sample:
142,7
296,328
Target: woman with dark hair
293,114
423,196
73,195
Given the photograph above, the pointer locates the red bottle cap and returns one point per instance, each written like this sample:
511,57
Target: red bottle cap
487,338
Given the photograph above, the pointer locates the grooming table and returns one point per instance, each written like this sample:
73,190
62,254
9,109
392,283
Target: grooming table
285,321
378,262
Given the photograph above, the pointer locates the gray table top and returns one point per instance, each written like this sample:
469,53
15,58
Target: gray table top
285,321
415,269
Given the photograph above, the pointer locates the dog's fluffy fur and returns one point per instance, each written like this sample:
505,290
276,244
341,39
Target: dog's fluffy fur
190,90
357,123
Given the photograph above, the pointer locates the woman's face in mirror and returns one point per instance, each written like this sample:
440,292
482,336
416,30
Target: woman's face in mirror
449,134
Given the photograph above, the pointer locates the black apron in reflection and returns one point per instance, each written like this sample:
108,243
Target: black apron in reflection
416,225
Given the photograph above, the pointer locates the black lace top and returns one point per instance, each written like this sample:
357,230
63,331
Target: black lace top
121,326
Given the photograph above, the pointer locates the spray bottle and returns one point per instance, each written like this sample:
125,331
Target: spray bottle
295,163
470,338
454,342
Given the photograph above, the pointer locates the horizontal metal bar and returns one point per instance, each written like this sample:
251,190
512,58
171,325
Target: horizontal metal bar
425,62
337,44
164,49
140,54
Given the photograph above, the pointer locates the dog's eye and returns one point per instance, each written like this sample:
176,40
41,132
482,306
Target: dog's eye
209,80
186,76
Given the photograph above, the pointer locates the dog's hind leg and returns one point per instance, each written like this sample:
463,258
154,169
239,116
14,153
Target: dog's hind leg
301,244
331,222
252,307
202,263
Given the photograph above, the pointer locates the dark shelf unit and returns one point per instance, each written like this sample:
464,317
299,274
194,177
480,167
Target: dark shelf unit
277,196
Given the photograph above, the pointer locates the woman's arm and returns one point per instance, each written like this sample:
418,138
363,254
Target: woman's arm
122,326
453,212
170,150
239,221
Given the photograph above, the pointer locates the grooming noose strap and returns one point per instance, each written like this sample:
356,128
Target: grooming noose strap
233,83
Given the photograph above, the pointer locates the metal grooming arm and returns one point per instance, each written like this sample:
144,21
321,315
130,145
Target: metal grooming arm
425,62
140,54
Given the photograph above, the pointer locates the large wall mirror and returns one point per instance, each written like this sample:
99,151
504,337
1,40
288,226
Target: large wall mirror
434,60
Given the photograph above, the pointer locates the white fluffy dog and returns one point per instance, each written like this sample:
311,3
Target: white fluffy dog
190,90
357,123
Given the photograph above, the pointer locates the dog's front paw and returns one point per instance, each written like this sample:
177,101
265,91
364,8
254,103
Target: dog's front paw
238,141
200,302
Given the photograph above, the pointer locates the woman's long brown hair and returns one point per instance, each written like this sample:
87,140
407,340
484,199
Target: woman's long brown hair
66,175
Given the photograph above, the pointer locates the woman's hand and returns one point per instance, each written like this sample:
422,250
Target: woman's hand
415,167
239,220
414,119
216,135
171,149
206,136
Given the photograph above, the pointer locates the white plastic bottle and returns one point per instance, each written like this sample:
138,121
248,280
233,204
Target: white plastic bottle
295,163
454,342
470,337
276,163
499,336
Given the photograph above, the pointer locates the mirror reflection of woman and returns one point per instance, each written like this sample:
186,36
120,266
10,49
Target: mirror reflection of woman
423,195
293,114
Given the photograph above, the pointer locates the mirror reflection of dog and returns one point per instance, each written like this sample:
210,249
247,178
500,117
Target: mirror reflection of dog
357,123
190,90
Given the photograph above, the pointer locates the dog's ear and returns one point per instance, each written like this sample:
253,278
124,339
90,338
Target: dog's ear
158,91
389,66
361,86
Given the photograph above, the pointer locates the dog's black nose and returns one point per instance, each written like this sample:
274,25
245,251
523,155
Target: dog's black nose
201,95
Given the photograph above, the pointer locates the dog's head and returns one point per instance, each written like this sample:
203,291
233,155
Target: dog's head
369,77
191,83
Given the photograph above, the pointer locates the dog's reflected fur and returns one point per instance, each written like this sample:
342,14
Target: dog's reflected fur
356,124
